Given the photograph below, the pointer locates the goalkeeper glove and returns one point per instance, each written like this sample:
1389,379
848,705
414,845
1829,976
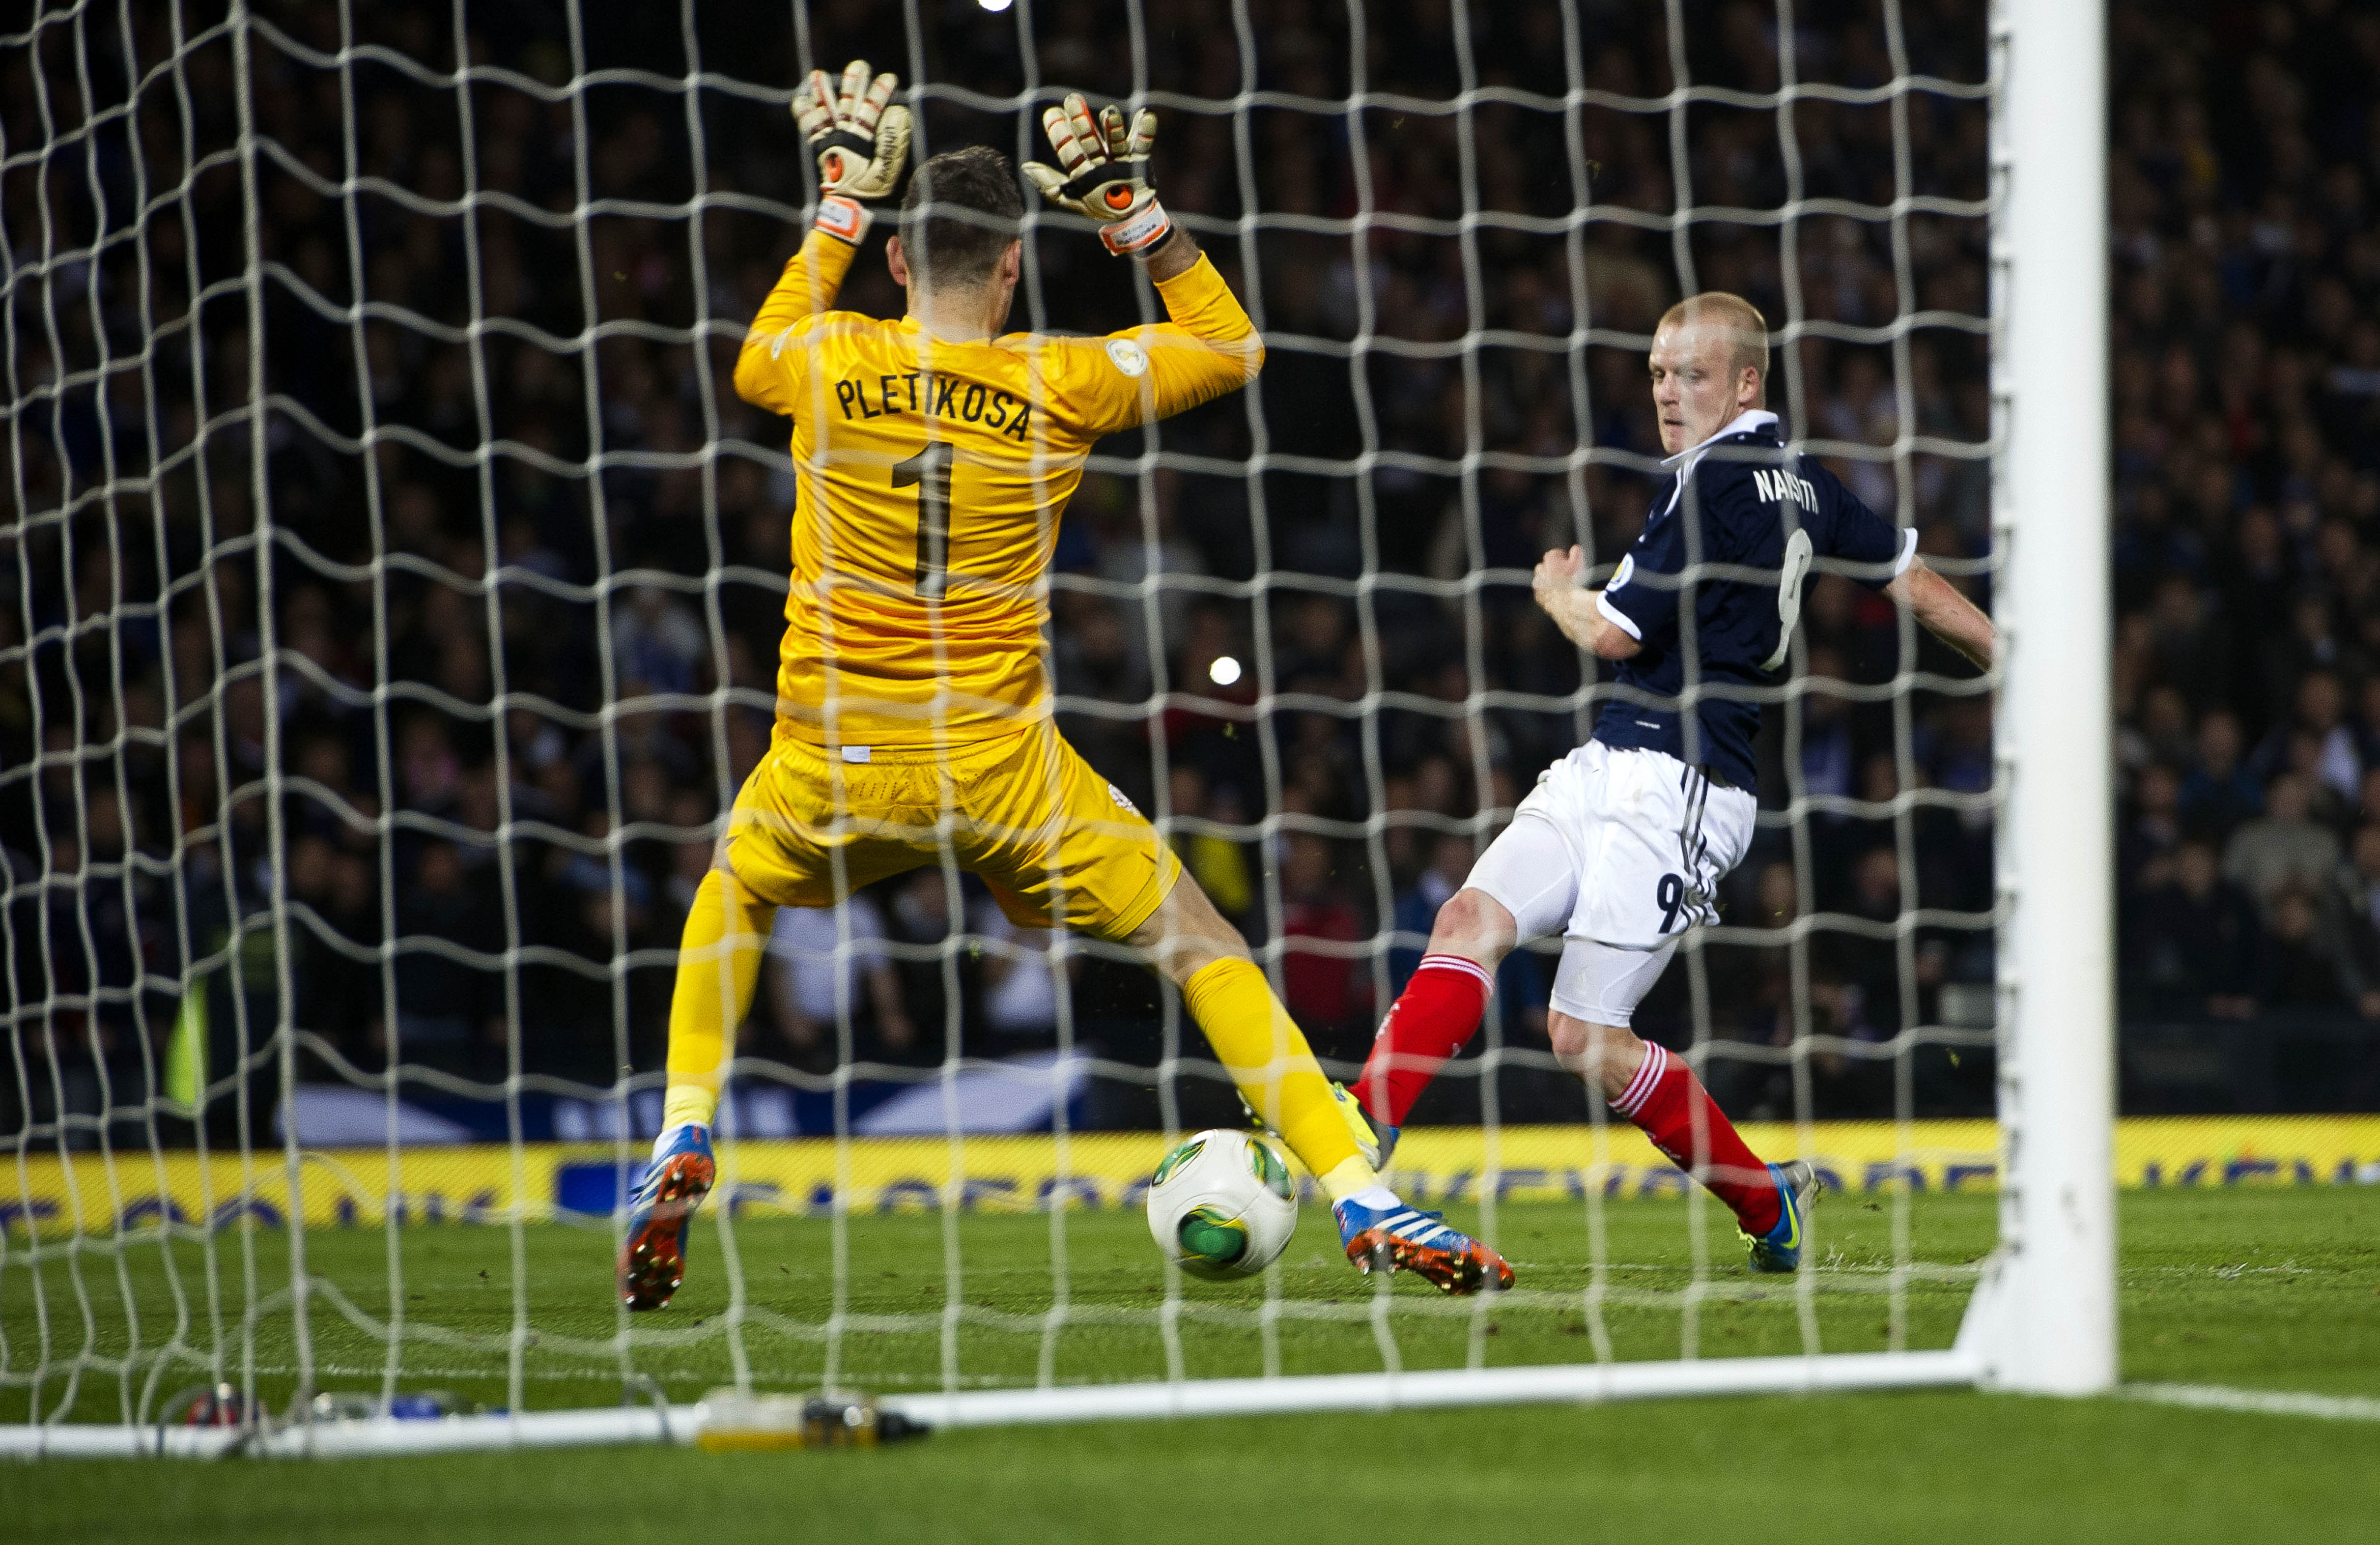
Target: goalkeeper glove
861,144
1106,174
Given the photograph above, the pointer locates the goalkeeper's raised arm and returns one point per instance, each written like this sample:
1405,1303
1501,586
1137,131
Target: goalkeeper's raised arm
939,452
860,139
1103,176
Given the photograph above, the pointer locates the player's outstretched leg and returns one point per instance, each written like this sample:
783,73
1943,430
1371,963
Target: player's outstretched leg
1437,1013
718,969
1267,1056
1657,1091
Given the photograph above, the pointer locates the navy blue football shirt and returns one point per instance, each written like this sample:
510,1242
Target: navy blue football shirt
1736,499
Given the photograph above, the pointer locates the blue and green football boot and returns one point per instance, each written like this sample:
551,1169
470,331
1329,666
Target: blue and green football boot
1780,1249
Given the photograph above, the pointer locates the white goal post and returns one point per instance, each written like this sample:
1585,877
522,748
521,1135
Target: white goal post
2043,1318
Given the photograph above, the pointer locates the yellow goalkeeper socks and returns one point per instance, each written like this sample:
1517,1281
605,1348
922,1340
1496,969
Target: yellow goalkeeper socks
718,966
1266,1054
1253,1036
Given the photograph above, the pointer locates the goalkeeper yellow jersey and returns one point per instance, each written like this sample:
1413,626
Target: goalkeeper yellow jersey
931,476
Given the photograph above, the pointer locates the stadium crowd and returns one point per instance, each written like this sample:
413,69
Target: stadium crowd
437,547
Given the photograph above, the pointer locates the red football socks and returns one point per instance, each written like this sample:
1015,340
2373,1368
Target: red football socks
1438,1012
1662,1099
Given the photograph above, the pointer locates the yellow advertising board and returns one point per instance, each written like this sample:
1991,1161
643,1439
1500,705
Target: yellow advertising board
53,1194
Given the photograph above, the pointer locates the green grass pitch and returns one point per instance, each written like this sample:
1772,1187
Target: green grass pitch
2271,1288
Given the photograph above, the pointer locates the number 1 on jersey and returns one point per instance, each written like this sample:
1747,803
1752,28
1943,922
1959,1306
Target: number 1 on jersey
929,469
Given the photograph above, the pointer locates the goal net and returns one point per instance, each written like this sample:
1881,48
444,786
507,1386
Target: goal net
393,580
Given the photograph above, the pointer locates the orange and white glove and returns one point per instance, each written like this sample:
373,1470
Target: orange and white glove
861,144
1106,174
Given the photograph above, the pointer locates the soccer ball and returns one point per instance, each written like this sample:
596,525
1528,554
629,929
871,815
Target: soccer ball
1222,1205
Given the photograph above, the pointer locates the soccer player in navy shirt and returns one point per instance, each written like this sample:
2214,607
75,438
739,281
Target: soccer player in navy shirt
1621,845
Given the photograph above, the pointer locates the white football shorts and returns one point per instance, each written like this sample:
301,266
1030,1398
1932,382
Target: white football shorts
1621,852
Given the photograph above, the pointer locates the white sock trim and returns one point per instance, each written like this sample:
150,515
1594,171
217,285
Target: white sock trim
1640,1087
1486,979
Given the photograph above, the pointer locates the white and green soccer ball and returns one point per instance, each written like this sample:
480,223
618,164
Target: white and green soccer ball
1222,1205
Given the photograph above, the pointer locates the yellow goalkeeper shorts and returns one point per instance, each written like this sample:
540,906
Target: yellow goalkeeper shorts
1055,840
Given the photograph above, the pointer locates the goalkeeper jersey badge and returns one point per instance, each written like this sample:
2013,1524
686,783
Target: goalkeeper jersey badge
1128,357
1123,799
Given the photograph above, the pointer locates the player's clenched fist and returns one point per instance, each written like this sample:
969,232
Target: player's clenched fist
860,143
1557,572
1106,173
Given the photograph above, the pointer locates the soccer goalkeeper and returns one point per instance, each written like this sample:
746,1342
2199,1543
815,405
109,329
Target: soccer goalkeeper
934,457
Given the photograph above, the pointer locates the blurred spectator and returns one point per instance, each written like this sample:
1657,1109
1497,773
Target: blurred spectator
2219,792
2357,909
1219,863
1827,750
826,968
1868,963
1756,985
1324,982
2145,843
2194,945
1020,987
2301,967
2336,760
443,997
591,919
2281,847
657,640
935,980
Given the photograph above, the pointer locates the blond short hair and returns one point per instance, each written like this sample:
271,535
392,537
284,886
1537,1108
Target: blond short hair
1742,320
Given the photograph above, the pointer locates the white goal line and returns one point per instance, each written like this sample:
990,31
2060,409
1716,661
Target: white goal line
2271,1403
1584,1383
1587,1383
